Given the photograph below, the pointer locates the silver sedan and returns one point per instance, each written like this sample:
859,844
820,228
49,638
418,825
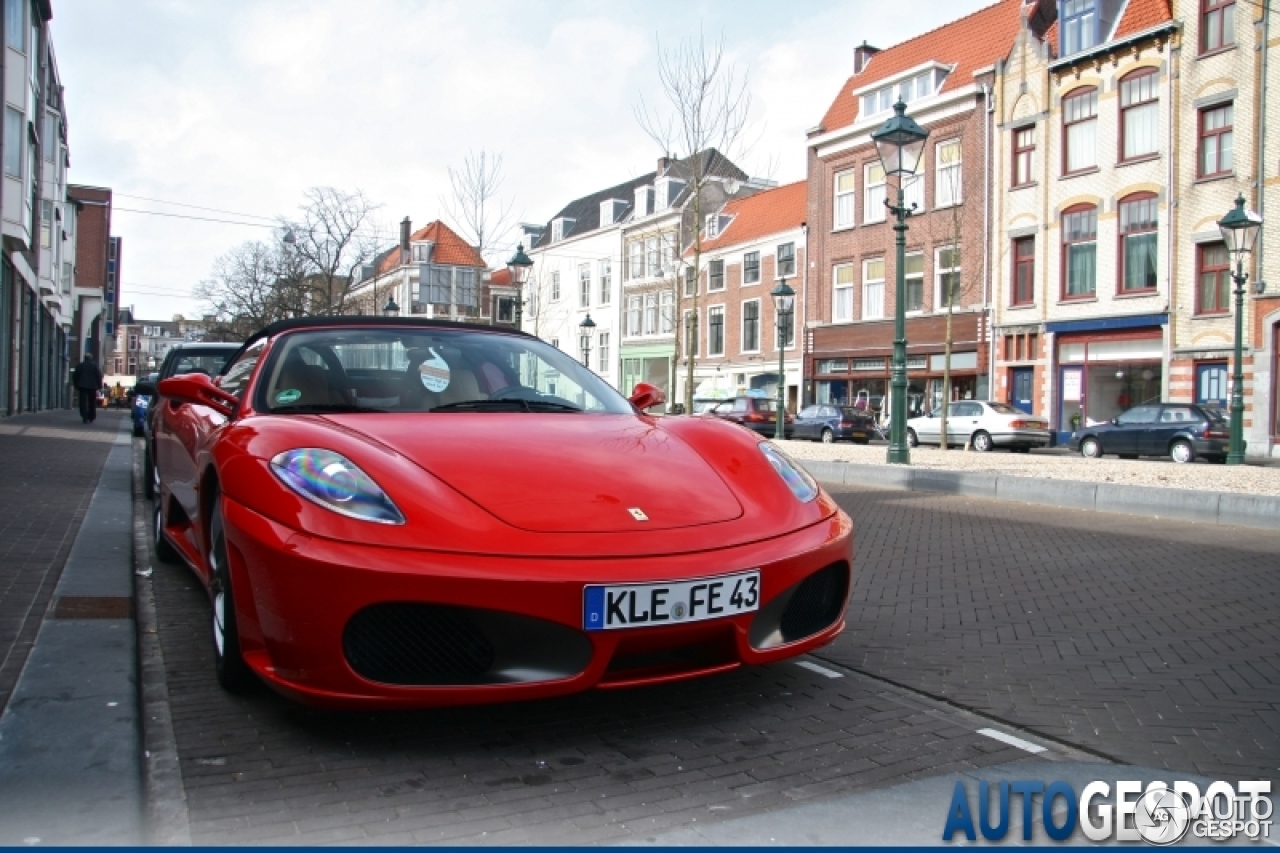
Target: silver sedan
983,426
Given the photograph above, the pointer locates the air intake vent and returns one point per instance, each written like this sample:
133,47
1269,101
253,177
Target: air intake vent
417,644
816,603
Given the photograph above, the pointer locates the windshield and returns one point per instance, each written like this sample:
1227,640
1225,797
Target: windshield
208,362
434,370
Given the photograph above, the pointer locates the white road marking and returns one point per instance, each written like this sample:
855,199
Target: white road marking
821,670
1011,740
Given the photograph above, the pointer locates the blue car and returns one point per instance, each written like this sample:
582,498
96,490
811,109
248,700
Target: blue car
138,411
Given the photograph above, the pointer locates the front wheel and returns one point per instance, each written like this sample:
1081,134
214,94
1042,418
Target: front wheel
233,673
981,442
1091,448
165,552
912,440
828,436
1182,452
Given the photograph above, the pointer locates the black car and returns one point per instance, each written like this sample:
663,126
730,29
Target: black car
1181,430
834,423
193,357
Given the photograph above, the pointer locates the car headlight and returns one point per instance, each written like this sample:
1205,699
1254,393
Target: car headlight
334,482
803,486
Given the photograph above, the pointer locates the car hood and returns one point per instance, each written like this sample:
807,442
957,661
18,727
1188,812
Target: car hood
560,473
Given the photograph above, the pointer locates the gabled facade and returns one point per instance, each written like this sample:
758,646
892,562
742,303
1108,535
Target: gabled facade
431,272
945,78
754,243
1082,219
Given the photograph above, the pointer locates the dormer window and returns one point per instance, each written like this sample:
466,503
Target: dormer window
713,226
644,201
1079,25
560,228
422,252
667,190
611,209
913,88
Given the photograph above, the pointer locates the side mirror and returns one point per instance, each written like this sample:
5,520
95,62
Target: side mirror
644,395
145,388
199,390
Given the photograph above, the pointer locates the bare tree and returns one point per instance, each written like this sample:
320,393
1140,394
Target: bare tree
252,285
474,207
704,105
329,239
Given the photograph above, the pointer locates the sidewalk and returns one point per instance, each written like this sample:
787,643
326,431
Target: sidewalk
70,739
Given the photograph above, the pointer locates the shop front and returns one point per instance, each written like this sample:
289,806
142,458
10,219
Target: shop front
1105,367
651,364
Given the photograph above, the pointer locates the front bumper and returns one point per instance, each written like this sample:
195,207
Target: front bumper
300,598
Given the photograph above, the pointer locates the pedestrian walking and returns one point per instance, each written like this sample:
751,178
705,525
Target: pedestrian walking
87,379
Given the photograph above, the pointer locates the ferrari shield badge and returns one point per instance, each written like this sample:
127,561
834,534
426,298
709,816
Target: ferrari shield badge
434,372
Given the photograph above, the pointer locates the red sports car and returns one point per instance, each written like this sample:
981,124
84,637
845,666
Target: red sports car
398,513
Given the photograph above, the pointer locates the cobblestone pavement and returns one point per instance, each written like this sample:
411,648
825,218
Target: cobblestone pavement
50,463
595,767
1151,642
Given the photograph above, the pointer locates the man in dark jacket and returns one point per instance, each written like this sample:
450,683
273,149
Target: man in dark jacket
87,379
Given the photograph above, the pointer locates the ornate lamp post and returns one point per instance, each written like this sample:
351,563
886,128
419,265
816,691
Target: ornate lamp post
784,298
587,326
391,309
900,143
519,266
1239,230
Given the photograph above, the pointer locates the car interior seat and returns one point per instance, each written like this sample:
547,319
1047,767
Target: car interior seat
310,380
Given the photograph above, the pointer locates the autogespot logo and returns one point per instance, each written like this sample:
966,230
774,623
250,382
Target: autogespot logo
1159,814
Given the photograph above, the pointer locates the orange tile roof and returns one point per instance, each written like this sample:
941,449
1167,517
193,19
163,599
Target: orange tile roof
500,277
1141,15
969,43
450,249
769,212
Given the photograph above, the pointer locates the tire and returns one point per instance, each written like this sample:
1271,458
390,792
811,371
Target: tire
149,475
1091,448
912,439
138,432
233,673
981,442
1182,451
165,552
828,437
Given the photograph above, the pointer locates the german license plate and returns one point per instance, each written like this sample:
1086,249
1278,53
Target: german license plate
858,434
647,605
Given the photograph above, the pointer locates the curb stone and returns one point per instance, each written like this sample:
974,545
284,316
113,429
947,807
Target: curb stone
1257,511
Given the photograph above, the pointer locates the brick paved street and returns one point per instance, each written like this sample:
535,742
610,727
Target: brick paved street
1151,642
51,463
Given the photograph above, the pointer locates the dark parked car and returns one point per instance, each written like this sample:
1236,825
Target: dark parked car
1180,430
758,414
138,406
834,423
193,357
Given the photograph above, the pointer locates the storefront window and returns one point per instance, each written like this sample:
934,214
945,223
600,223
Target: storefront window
833,392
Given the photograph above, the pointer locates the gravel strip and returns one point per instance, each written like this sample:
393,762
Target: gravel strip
1059,465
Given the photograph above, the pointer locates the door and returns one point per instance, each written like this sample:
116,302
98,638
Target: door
962,421
806,422
1022,380
1173,420
1129,432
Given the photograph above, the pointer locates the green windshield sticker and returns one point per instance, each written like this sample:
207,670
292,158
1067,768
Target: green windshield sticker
289,395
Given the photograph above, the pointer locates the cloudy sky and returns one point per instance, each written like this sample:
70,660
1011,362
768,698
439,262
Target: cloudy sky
238,106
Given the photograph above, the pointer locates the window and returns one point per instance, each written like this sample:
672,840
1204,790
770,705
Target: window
1024,271
1213,284
584,285
947,187
751,268
1079,25
842,293
1138,243
1215,140
603,362
914,278
845,195
584,344
1139,115
555,286
715,275
652,257
1211,383
555,342
786,259
784,336
690,282
633,315
238,373
751,325
946,271
46,224
1079,252
606,281
1080,130
49,140
651,313
913,191
713,226
437,287
715,330
635,259
13,142
668,254
15,24
1024,152
873,209
873,289
465,288
1217,24
666,315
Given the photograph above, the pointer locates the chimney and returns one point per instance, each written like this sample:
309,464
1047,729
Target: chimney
664,163
862,55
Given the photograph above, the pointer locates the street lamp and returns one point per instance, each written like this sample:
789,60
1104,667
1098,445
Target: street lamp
391,309
784,298
1239,229
519,266
587,326
900,144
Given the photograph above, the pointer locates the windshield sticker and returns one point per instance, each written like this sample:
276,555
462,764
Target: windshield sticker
434,372
289,395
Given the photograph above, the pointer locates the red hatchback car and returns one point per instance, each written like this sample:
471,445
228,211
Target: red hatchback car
400,513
